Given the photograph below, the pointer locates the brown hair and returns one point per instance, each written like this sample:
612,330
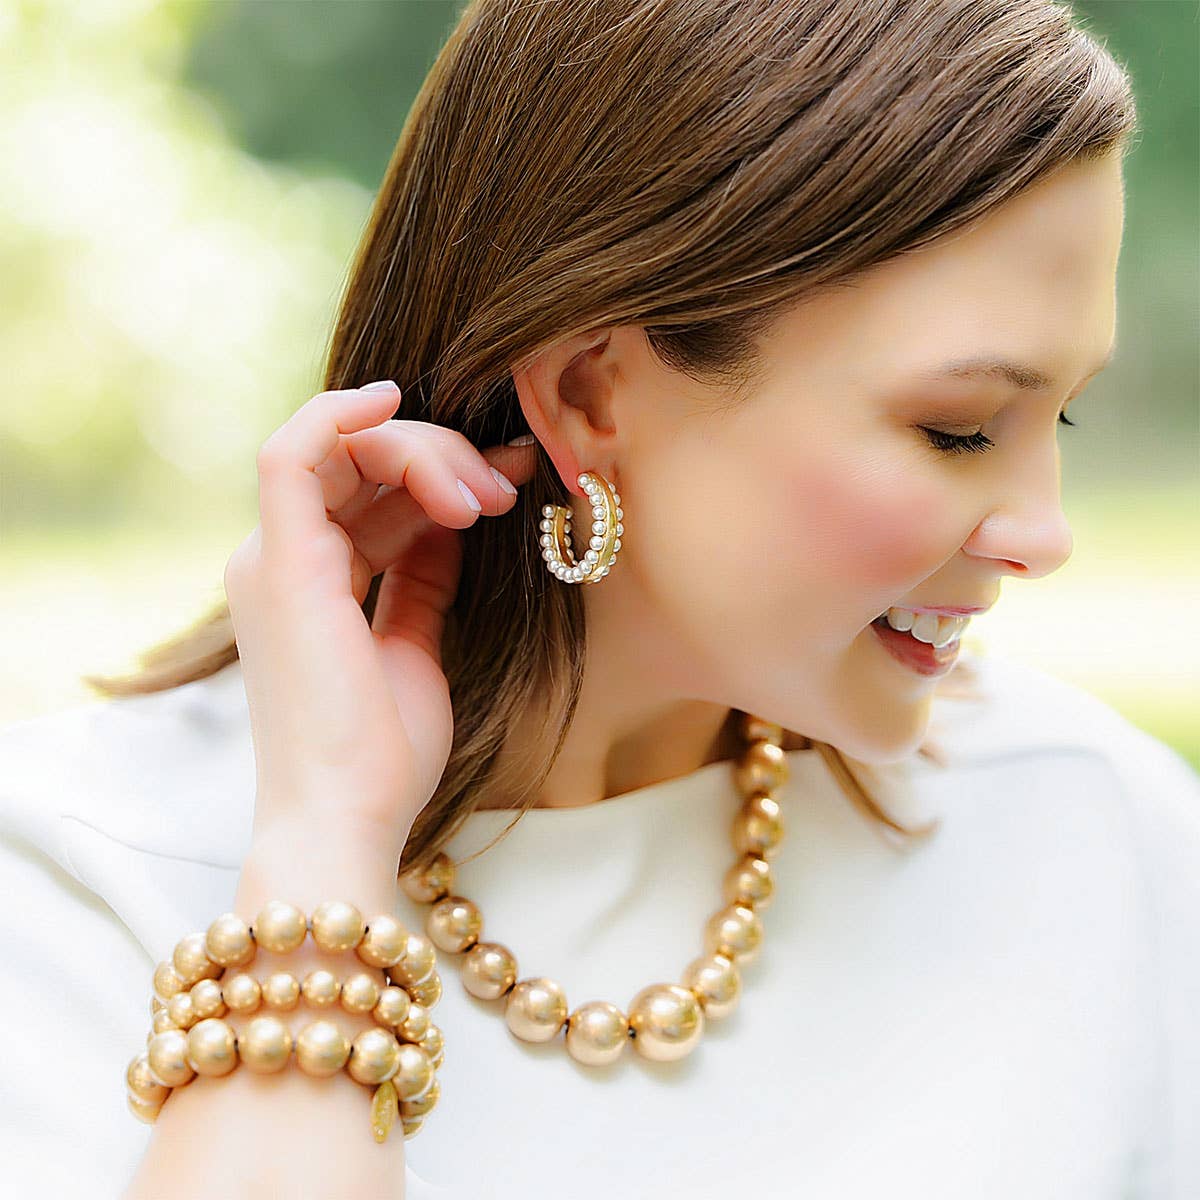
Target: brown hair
691,166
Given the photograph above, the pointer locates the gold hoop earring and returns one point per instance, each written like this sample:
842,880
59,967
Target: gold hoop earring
605,538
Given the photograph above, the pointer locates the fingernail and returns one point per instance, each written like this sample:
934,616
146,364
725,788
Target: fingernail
504,482
469,496
379,385
525,439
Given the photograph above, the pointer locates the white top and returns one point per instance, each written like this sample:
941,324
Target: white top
1008,1011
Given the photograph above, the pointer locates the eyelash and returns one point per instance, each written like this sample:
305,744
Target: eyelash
976,443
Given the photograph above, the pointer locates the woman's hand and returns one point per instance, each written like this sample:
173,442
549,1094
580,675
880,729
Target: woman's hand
351,722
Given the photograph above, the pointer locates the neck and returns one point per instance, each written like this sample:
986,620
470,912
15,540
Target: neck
675,740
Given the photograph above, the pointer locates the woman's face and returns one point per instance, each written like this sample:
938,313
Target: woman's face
762,539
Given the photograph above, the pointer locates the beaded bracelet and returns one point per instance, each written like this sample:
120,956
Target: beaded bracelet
397,1060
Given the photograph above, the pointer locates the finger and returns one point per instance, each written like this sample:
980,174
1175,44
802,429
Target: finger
417,590
344,489
385,528
387,453
291,496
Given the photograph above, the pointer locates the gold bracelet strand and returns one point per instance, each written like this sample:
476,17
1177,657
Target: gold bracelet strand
402,1073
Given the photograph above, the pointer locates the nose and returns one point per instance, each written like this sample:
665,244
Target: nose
1027,533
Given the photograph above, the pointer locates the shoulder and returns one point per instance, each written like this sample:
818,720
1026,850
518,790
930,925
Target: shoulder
1018,709
152,770
140,799
1025,715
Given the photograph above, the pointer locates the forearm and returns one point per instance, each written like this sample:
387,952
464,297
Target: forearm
288,1133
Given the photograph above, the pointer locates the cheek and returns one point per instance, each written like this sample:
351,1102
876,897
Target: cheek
865,527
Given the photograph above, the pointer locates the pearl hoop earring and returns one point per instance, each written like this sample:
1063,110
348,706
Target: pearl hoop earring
603,544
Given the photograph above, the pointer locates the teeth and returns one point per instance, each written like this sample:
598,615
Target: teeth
927,627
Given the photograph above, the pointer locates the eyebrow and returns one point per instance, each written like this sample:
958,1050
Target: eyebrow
1020,375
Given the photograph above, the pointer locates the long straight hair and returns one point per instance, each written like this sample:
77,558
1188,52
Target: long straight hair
691,166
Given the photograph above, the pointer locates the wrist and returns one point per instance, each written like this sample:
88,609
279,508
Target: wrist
286,865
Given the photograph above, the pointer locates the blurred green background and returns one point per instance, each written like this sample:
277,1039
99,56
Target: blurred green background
181,189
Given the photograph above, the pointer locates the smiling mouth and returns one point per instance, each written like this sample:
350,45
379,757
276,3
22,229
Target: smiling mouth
921,657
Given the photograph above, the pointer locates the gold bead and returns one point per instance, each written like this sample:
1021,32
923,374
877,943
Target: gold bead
454,924
716,983
597,1033
392,1006
749,881
166,1056
167,981
736,931
321,988
415,1024
489,970
143,1109
374,1056
758,827
321,1048
242,993
667,1022
755,729
536,1009
433,1044
337,925
279,927
161,1022
431,884
180,1011
418,963
429,991
142,1083
414,1075
761,767
423,1104
228,941
265,1045
281,990
360,993
191,962
155,1005
385,942
206,999
212,1047
413,1127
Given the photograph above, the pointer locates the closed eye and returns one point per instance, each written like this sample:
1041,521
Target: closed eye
974,443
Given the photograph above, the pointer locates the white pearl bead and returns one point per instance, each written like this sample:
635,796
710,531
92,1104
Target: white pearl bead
620,529
597,543
616,545
547,510
620,512
598,511
598,526
582,479
591,556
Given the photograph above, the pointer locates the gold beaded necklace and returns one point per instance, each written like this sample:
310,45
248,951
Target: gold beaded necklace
665,1021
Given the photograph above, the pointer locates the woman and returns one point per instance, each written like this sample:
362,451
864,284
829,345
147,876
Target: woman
791,297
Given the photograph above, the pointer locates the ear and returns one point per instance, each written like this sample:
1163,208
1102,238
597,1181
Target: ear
567,395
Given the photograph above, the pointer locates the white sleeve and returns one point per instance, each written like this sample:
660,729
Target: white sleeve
1165,795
